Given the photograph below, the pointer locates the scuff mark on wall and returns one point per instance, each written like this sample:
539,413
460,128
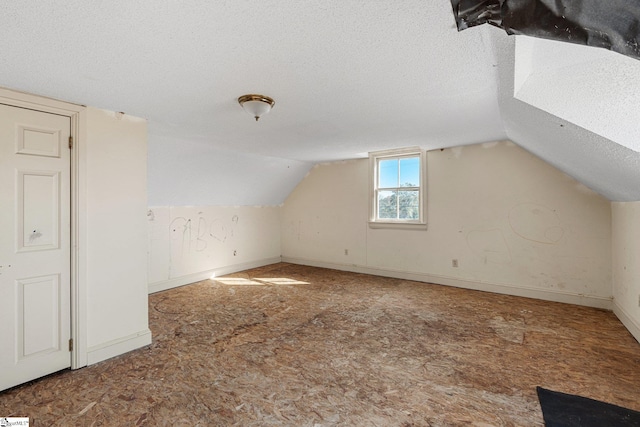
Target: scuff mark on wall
489,245
294,229
457,151
34,236
490,144
536,223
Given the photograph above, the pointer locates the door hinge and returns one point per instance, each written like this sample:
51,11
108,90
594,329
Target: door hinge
70,142
71,344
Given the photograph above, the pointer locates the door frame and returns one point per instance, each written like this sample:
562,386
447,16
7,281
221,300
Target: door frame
77,115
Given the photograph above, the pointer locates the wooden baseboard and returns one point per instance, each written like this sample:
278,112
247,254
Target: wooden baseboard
203,275
499,288
119,346
632,326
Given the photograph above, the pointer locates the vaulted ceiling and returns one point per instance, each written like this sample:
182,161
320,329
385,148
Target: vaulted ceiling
348,77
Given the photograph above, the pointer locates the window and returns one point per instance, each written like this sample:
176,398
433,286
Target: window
398,188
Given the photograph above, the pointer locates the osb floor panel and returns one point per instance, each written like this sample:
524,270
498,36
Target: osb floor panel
341,349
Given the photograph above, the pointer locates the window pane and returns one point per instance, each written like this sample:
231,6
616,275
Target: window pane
388,173
387,205
410,172
409,204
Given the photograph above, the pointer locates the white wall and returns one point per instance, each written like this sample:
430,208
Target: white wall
515,224
188,173
206,203
113,195
190,243
626,264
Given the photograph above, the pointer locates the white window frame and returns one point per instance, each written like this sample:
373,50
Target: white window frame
412,224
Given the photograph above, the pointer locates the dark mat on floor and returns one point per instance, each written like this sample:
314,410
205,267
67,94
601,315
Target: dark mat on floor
568,410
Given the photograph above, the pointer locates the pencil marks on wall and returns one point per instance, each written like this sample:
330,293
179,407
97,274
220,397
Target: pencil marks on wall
185,241
180,229
196,234
537,223
201,241
218,231
531,222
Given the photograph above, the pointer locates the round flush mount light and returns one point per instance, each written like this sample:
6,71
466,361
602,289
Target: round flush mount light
256,105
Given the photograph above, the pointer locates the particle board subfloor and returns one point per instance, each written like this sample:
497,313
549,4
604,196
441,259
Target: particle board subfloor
301,346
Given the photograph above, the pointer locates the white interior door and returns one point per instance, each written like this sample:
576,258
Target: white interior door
35,244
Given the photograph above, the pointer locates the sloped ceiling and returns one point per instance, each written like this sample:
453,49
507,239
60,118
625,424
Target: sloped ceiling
348,77
565,103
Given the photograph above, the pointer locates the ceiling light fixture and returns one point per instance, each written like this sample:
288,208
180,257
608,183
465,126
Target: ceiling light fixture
256,105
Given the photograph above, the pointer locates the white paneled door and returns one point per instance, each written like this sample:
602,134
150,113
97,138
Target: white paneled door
35,244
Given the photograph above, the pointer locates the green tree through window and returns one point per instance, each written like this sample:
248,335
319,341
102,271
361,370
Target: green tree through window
399,205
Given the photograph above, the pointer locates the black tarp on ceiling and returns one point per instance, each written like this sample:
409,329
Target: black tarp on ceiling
611,24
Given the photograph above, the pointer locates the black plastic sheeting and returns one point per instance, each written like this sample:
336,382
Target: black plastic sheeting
610,24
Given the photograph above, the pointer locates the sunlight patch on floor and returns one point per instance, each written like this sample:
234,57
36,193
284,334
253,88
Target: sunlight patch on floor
241,281
238,281
282,281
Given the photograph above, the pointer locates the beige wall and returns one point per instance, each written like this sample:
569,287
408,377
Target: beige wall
190,243
515,224
626,264
113,246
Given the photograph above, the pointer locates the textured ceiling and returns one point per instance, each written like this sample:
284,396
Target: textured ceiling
596,89
347,76
601,164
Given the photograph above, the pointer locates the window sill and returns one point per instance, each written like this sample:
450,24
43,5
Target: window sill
398,225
